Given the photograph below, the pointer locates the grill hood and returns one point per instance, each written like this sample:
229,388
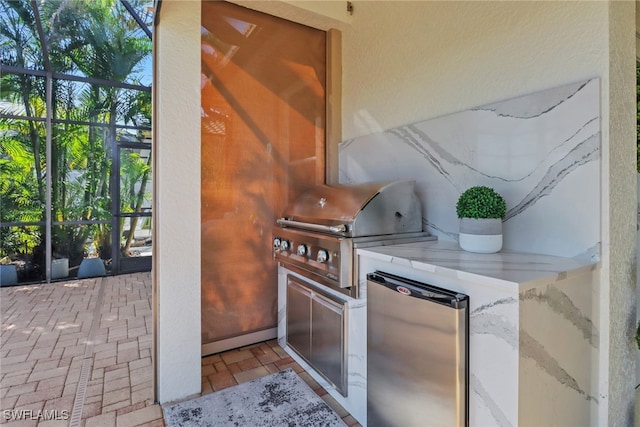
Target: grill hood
355,210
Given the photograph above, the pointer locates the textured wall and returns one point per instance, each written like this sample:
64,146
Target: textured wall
404,62
177,200
622,196
320,14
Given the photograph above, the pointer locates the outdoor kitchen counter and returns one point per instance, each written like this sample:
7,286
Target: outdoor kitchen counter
533,336
506,268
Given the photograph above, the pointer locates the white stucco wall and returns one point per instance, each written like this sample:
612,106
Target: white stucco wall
176,263
408,61
621,194
321,14
404,62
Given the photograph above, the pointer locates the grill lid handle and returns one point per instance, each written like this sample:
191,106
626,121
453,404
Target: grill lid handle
311,226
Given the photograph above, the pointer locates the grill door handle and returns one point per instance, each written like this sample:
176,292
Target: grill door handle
311,226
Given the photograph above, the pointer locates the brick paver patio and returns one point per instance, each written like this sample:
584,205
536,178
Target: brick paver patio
78,353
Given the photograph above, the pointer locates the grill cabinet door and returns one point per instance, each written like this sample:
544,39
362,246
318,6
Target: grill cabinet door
316,328
327,340
299,319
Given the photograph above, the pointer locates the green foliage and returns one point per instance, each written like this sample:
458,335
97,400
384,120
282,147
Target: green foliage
19,240
96,39
481,202
20,189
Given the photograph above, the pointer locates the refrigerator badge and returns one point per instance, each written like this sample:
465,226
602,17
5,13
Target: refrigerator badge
403,290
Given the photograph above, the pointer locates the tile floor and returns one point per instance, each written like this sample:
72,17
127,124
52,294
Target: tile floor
78,353
245,364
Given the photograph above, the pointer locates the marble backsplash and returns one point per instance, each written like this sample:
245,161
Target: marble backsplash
540,151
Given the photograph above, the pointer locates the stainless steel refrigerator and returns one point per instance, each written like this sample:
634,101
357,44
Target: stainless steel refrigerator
417,354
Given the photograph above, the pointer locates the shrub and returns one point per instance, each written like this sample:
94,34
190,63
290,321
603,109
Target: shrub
481,202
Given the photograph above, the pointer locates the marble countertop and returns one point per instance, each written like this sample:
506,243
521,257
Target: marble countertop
505,267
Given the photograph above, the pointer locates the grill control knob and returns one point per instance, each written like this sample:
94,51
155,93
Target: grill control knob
284,246
276,243
323,256
302,250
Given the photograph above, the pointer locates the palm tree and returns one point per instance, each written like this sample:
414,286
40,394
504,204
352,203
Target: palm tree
20,48
97,39
102,45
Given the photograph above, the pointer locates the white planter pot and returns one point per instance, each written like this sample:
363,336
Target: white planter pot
481,235
59,268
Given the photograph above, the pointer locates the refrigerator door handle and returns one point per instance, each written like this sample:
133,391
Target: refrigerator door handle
423,291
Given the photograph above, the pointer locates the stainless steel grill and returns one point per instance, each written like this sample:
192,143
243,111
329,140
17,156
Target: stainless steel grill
320,230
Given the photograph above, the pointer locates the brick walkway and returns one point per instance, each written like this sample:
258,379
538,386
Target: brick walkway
79,354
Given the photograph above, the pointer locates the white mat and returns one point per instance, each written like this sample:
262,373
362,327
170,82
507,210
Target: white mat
280,399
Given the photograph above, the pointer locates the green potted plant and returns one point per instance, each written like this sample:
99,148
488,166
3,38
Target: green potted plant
481,210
